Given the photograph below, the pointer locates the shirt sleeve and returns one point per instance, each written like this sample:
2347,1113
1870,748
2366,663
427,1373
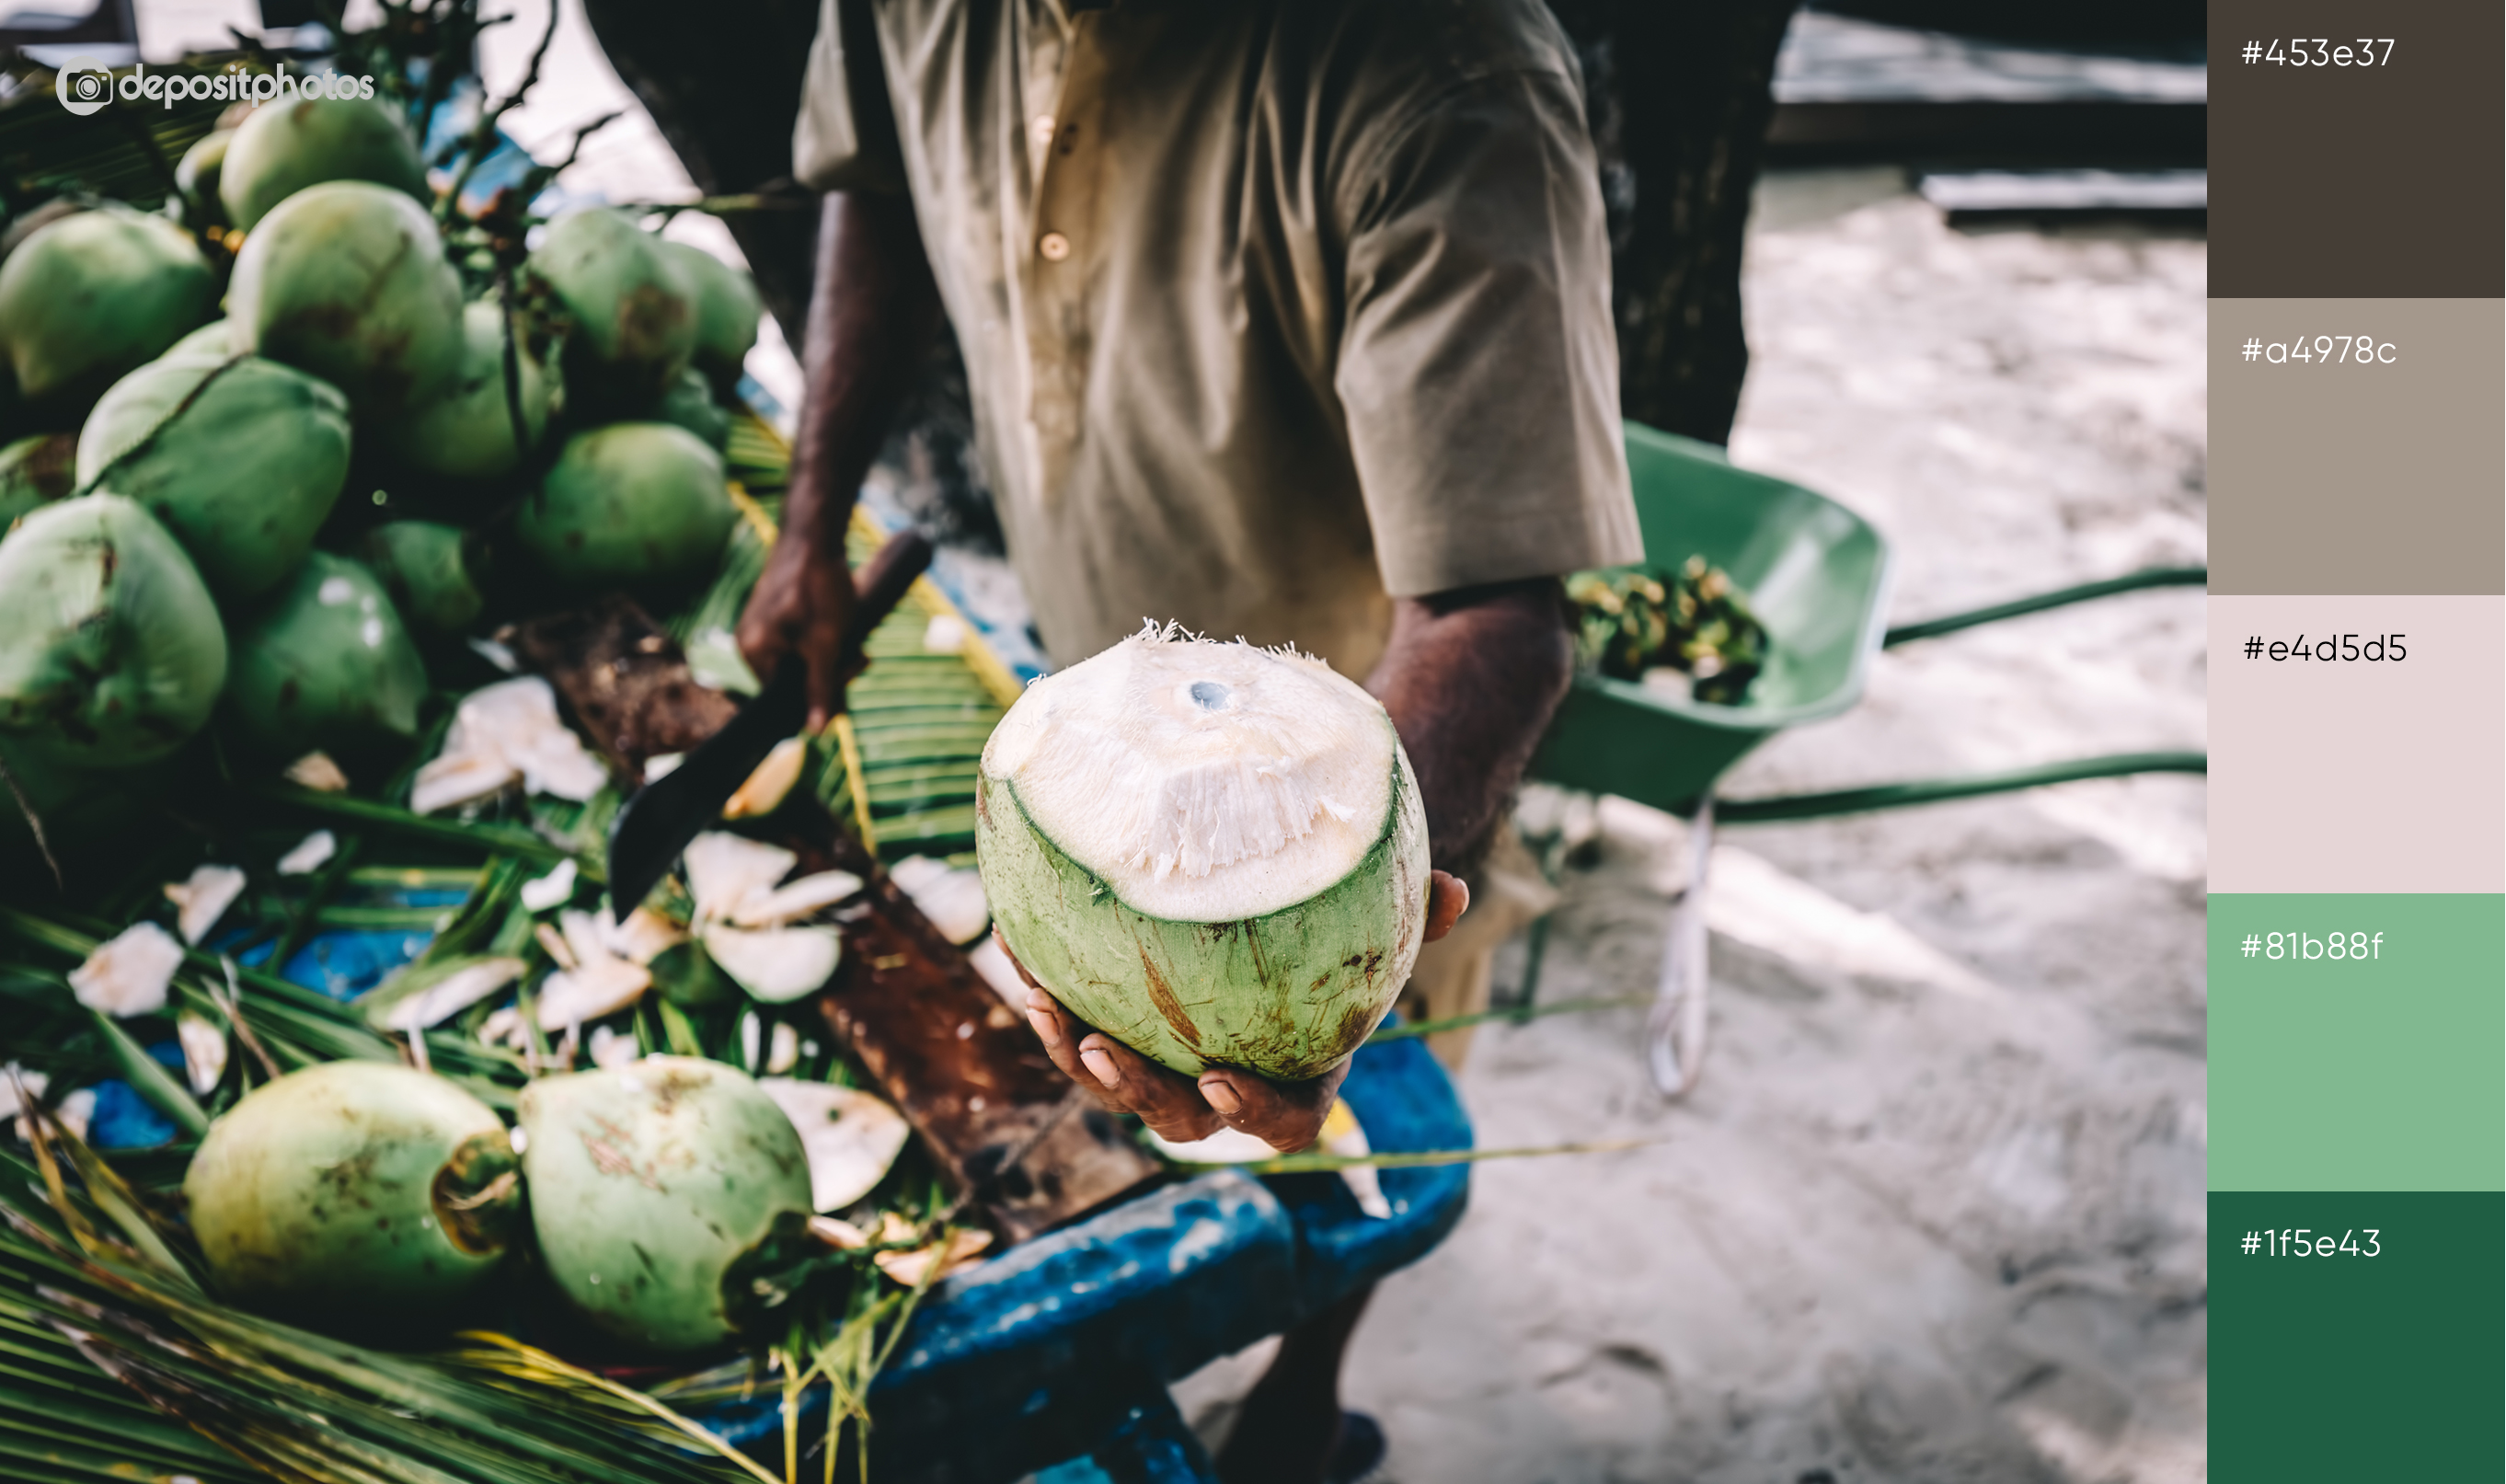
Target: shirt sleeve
1479,364
846,137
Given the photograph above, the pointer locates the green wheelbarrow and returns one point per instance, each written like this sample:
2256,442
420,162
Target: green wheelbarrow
1817,576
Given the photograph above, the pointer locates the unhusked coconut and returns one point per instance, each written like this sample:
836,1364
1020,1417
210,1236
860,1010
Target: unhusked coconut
635,505
347,282
728,312
430,570
281,148
94,295
356,1196
111,652
671,1200
36,471
1214,853
242,461
325,662
633,307
467,432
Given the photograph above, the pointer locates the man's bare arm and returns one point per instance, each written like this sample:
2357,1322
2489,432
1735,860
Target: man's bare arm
1471,678
872,314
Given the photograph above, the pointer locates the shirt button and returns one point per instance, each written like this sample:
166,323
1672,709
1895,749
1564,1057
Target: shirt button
1054,247
1043,128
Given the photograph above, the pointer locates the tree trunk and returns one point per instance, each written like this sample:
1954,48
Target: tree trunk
1678,94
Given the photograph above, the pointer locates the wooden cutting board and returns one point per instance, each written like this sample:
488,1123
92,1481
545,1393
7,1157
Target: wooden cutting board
961,1064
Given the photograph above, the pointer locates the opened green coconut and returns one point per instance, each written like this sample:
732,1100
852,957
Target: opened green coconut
36,471
96,295
241,460
467,433
324,664
110,653
634,307
426,567
355,1197
634,505
728,311
282,148
347,282
1214,853
670,1198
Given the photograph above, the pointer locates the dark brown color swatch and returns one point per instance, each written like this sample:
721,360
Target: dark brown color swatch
2377,182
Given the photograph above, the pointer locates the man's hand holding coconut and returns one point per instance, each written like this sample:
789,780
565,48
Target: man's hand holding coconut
1284,324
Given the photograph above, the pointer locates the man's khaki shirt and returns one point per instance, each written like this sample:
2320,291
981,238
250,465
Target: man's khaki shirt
1271,309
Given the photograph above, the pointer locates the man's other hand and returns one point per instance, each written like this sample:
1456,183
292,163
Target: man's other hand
1286,1115
802,609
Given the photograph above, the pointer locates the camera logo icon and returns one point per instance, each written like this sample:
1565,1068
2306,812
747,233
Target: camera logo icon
83,85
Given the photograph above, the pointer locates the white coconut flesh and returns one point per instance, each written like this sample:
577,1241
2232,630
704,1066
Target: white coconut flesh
1212,852
1203,782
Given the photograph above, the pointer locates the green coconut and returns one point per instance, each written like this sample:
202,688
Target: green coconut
283,148
355,1197
347,282
426,567
691,405
195,178
1212,852
671,1199
242,461
634,505
467,433
110,653
728,311
325,664
634,310
36,471
94,295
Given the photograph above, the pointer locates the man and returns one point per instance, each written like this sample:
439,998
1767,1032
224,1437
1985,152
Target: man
1285,319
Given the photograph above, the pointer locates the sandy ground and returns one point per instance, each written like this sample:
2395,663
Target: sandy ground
1937,1212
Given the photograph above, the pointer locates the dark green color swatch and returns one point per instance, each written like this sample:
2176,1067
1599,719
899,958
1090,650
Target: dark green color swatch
2348,1367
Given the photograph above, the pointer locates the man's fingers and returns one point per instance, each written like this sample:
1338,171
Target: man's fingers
1448,897
1168,1103
1286,1115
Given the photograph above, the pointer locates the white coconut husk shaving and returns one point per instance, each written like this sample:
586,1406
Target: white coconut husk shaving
505,733
945,633
128,974
993,963
592,982
554,889
782,1049
1340,1135
644,936
317,772
502,1028
309,855
745,914
661,765
453,993
204,1052
10,1076
201,900
959,1250
76,1111
766,787
852,1136
775,965
611,1050
951,898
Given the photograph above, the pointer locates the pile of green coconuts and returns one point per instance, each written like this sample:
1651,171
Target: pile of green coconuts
666,1203
257,511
